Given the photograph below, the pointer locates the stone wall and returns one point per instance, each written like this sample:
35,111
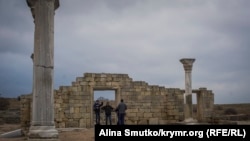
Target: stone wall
25,112
147,104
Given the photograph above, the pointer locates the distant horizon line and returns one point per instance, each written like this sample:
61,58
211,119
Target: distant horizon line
112,99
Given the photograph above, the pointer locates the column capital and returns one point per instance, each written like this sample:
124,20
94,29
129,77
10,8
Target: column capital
187,63
31,4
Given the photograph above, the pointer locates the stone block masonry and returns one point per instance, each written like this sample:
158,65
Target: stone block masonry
147,104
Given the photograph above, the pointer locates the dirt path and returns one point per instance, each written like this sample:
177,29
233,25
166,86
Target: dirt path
83,134
64,135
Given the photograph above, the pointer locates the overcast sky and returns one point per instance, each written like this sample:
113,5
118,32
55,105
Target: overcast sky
142,38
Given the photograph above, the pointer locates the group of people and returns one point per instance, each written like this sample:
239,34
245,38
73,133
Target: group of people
108,109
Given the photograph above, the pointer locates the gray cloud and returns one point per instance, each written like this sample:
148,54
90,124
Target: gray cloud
142,38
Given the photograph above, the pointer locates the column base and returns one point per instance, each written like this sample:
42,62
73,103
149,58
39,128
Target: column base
190,120
39,133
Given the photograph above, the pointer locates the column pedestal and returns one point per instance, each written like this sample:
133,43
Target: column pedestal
43,132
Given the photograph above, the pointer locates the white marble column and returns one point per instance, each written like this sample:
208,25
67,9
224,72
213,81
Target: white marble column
188,108
42,122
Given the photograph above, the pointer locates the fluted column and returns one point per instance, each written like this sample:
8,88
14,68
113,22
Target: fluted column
188,108
42,122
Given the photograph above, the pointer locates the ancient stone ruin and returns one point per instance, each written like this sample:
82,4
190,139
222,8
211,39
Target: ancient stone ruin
188,104
46,109
42,124
147,104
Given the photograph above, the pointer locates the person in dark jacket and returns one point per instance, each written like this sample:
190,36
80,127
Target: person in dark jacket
121,108
108,109
96,108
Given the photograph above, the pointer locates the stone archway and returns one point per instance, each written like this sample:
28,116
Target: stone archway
78,99
113,103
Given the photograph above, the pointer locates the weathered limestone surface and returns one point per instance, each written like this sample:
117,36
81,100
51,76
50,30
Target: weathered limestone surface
42,125
205,103
188,108
147,104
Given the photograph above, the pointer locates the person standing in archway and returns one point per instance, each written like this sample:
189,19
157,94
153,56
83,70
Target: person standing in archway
108,109
96,108
121,109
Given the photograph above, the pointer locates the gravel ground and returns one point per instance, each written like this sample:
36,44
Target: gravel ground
82,134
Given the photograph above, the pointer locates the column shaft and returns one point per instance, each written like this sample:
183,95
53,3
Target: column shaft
188,95
43,99
42,122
